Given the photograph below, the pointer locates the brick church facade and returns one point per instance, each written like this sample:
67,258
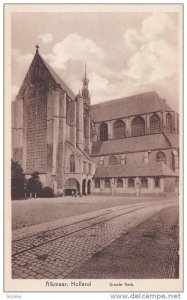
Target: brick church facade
128,146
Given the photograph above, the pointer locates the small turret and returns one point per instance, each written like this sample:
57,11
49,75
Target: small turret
85,91
80,125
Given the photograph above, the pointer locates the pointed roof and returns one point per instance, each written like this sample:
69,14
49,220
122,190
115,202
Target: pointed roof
58,80
51,75
78,151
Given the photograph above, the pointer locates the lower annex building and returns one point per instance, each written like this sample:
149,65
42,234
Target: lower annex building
128,146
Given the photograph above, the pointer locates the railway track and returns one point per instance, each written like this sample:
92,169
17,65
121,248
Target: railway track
34,241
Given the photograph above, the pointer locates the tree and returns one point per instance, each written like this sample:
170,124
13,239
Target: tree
34,185
18,181
47,192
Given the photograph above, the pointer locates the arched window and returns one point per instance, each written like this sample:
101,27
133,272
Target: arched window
119,129
119,182
107,183
138,126
67,111
160,156
130,182
155,124
168,122
97,184
92,127
144,182
103,132
72,163
112,160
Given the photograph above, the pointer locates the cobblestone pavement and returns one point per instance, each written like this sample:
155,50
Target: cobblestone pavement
30,212
48,226
148,251
57,252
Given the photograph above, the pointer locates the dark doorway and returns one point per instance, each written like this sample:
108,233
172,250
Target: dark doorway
84,187
89,187
72,187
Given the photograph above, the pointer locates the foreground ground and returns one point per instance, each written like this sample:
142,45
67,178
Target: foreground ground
35,211
129,238
150,250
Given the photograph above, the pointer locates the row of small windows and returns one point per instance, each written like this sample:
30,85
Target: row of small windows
130,182
137,127
160,156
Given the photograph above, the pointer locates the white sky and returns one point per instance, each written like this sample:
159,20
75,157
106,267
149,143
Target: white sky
125,53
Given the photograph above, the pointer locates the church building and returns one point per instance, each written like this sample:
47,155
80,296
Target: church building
127,146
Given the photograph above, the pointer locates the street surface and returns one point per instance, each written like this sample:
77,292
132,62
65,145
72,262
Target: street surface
36,211
147,251
56,249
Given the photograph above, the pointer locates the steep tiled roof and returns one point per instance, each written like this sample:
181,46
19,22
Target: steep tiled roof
77,151
128,106
58,80
38,61
133,170
131,144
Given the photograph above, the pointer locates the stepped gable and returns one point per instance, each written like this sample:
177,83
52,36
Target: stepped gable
128,106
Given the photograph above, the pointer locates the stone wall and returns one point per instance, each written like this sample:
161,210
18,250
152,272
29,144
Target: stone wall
136,157
17,131
125,190
35,123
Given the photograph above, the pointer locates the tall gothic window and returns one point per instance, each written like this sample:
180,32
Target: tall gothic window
131,182
67,111
107,183
119,129
138,126
103,132
155,124
144,182
119,182
160,156
72,163
97,184
168,122
113,160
